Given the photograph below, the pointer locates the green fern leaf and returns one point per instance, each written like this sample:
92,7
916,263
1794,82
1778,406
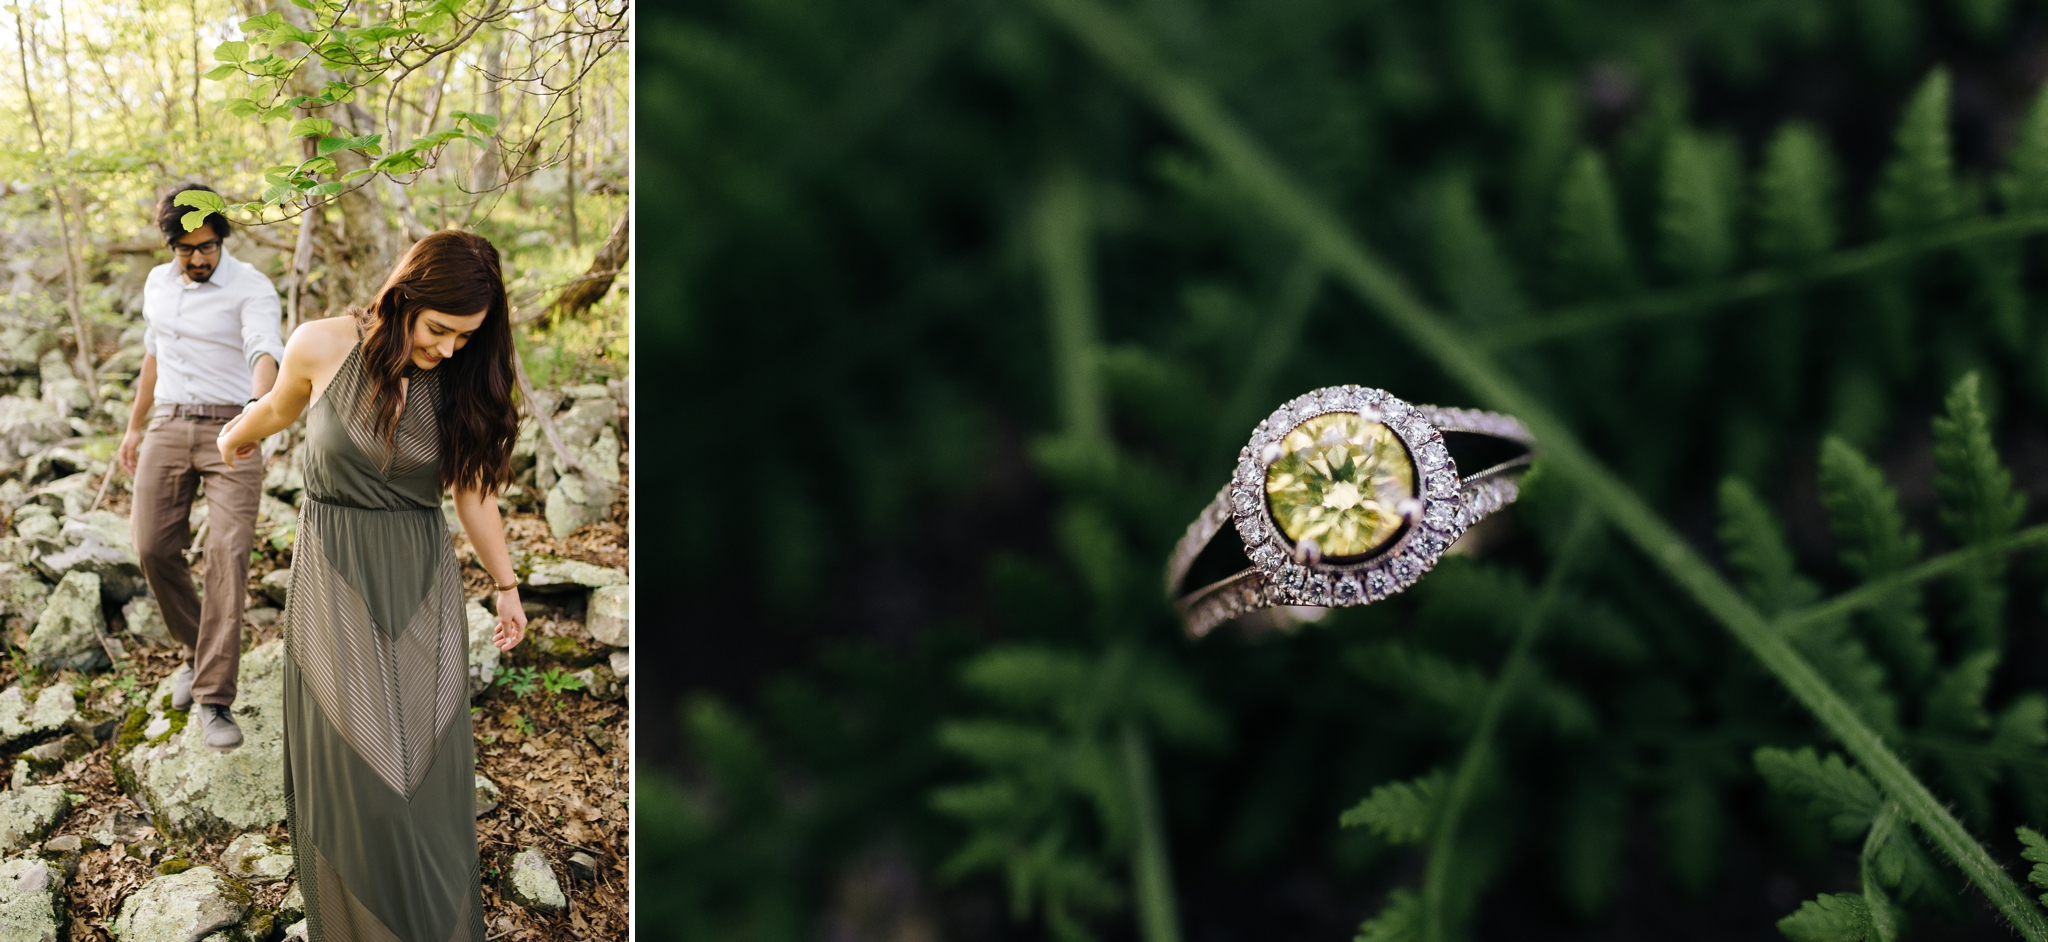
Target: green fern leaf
1919,190
1835,793
1796,196
1589,249
1025,676
998,743
2025,185
1550,117
1955,705
1401,812
1863,510
1593,830
1455,689
1473,273
2034,849
1399,921
1831,917
1848,666
1697,220
1977,504
1758,553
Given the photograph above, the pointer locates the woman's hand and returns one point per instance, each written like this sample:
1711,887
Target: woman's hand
511,621
232,445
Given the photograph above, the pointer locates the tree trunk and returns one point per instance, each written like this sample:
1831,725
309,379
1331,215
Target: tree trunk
604,268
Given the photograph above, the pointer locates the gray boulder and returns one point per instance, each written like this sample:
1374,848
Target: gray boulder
599,682
532,882
483,655
27,815
23,594
70,496
293,908
146,622
24,723
296,930
67,634
183,907
31,900
97,542
27,426
622,664
257,859
283,480
275,584
35,521
61,386
609,615
192,791
574,502
550,574
487,795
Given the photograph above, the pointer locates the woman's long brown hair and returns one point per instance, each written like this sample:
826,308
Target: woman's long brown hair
453,273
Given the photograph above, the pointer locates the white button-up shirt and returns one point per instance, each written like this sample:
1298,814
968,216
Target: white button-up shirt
207,336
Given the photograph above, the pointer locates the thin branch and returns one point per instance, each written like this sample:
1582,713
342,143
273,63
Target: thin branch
547,428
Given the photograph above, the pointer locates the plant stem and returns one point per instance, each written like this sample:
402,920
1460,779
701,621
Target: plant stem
1443,843
1195,110
1702,299
1151,870
1882,921
1877,591
1060,228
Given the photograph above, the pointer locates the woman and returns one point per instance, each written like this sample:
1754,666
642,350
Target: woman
410,398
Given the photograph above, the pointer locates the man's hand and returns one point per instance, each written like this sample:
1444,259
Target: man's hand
131,447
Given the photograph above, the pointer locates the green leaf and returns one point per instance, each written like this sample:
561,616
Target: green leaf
203,200
1401,812
999,743
242,107
310,127
1863,509
1758,552
1836,794
267,21
1956,702
1832,917
1919,190
1589,249
1977,504
1697,218
1399,921
2034,849
482,122
231,51
317,165
1470,267
1796,196
2025,185
219,72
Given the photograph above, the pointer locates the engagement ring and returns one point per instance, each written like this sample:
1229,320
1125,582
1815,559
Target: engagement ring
1343,497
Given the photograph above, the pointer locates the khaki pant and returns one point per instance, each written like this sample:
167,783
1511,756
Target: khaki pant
177,454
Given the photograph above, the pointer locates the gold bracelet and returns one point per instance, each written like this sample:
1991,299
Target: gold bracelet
506,587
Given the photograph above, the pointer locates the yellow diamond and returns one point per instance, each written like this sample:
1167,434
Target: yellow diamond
1340,481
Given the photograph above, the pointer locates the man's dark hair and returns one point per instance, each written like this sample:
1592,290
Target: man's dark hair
170,217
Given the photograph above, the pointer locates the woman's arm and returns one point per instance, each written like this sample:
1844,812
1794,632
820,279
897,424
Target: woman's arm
314,353
478,511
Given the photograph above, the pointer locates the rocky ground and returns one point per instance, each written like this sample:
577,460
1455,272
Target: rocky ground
117,822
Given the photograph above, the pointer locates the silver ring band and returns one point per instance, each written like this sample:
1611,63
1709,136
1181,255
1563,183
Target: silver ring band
1440,505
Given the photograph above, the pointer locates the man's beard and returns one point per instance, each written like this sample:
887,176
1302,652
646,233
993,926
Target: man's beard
199,276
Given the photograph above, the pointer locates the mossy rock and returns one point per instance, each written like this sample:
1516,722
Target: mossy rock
569,652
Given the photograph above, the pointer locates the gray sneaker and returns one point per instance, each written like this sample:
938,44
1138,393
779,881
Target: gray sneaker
217,723
181,688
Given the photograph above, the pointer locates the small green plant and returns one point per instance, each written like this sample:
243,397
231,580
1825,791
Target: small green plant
522,724
557,681
520,681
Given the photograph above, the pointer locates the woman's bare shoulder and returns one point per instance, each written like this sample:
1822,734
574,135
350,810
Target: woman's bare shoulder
322,343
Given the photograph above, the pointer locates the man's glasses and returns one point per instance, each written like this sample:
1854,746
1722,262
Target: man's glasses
209,247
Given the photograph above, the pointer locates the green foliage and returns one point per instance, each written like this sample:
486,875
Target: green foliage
1919,190
1590,252
1978,505
1701,189
1832,917
2025,185
1796,196
1863,509
2034,849
519,681
557,681
1399,921
1401,812
1834,792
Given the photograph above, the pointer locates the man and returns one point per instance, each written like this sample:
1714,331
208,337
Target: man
212,348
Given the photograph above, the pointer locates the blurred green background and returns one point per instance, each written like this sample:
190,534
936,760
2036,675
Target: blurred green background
952,322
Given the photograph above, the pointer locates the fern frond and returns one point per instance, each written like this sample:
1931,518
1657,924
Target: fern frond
2025,184
1589,249
1592,832
1697,219
1399,921
1919,191
998,743
1830,917
1796,196
1846,663
1470,268
1977,505
2034,850
1955,704
1758,553
1834,792
1028,676
1456,689
2000,290
1863,510
1401,812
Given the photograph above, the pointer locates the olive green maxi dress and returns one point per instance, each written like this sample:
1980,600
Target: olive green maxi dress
379,763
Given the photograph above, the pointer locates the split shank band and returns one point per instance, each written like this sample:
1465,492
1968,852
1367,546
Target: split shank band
1344,496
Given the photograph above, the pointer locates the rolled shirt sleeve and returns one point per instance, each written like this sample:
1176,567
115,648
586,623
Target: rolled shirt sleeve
260,331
